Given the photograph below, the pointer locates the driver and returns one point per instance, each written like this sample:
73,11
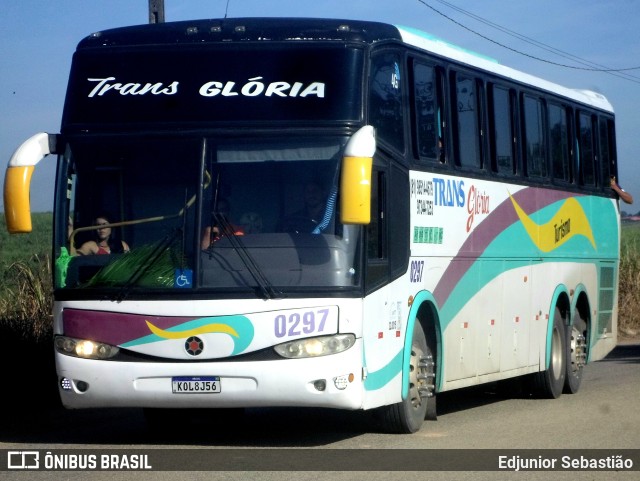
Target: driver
213,233
307,218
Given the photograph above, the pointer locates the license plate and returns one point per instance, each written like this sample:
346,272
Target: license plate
196,385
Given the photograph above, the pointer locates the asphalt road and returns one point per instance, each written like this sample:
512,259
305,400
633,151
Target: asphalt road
605,414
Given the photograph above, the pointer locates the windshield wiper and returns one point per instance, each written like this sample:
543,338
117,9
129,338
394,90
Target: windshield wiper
265,286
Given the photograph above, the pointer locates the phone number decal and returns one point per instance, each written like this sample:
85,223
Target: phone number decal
298,323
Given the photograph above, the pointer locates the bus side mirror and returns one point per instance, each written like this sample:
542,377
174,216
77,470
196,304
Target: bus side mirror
355,179
17,180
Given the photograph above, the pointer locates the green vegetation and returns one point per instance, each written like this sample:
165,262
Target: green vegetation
22,247
26,282
629,298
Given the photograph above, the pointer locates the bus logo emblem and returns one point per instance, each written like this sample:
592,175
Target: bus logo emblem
194,346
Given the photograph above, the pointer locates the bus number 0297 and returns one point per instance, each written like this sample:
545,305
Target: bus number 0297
297,323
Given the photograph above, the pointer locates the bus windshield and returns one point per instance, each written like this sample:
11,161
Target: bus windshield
173,213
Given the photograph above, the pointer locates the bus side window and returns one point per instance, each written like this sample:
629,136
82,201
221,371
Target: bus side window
535,146
466,128
502,130
426,112
607,150
587,150
385,102
560,143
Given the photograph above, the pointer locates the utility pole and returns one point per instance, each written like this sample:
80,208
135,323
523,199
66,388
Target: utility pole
156,11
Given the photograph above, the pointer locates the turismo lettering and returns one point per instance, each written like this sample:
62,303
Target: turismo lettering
477,203
562,230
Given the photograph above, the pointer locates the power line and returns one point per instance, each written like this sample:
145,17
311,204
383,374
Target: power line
539,44
591,69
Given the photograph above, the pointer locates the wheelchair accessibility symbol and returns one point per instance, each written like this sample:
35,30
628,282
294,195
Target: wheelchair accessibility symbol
183,278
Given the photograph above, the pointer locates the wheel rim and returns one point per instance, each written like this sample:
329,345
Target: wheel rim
421,377
578,350
417,377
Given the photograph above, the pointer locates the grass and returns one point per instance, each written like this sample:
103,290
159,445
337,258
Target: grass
26,282
26,326
22,247
629,297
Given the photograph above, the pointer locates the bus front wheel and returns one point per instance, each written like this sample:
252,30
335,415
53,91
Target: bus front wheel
408,415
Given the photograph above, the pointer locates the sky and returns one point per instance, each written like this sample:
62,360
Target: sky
38,38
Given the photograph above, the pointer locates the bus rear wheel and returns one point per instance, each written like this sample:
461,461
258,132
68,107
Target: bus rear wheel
550,383
576,354
408,415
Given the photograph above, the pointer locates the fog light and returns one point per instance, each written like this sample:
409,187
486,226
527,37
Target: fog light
320,384
341,382
82,386
65,384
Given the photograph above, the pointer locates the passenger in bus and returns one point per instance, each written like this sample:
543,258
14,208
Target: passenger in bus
624,195
106,240
214,233
306,219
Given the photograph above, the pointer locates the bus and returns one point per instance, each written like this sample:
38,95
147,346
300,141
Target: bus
321,213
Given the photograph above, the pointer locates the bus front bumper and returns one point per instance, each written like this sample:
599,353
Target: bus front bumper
333,381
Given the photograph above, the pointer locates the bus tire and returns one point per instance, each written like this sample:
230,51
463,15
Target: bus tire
408,415
576,354
550,383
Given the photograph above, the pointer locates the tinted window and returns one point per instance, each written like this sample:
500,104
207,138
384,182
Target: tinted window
377,261
399,220
502,130
467,121
385,107
535,147
606,149
559,139
427,113
587,152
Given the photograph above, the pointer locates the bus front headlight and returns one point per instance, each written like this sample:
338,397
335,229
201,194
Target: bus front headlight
315,346
85,348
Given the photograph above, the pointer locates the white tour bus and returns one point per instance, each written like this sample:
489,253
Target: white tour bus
321,213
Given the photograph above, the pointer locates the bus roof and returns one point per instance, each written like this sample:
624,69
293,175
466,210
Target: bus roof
443,48
310,29
244,30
